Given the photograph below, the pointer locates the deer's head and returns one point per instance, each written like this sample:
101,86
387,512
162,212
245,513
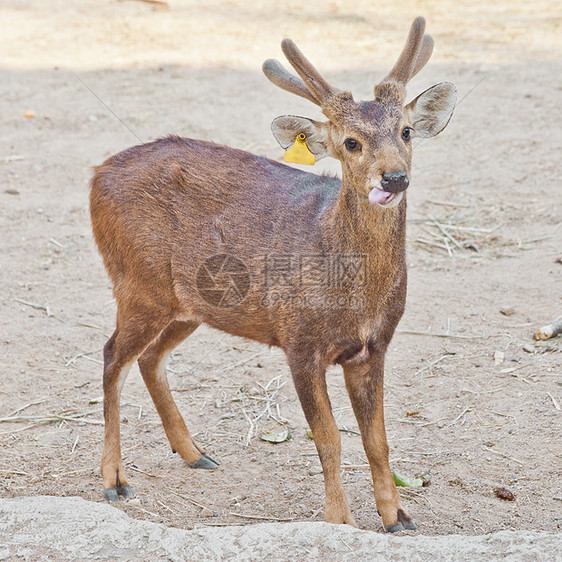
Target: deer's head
371,139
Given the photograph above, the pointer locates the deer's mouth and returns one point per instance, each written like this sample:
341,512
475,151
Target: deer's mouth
377,196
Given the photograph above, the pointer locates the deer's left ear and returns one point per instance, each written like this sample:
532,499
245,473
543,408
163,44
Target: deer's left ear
286,128
430,112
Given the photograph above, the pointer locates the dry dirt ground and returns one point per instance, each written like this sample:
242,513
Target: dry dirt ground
469,397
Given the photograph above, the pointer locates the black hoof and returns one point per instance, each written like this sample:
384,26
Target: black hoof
406,521
112,494
126,492
410,526
206,462
395,528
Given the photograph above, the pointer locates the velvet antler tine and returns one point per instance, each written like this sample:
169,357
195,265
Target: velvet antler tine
285,80
424,55
402,71
313,80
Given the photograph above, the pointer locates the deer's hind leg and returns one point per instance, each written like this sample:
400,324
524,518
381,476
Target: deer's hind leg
152,365
134,332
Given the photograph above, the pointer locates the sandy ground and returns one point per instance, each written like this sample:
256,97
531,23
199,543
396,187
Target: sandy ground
50,528
487,399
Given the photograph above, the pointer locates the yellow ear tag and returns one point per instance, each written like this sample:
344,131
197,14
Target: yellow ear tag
299,152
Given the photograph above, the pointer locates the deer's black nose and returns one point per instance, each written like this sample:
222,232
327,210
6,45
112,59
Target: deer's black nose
395,182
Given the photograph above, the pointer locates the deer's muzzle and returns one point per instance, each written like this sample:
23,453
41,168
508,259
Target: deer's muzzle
395,182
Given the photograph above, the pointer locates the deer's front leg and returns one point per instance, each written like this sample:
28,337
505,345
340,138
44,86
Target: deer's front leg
310,383
365,386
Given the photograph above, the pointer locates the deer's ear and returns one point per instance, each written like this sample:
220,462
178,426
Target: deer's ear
286,128
430,112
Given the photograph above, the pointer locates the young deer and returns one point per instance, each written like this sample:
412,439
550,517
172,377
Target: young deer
194,232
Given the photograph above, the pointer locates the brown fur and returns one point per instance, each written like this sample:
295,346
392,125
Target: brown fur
160,210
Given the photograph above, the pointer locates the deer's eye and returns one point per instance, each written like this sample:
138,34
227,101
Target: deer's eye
406,133
352,144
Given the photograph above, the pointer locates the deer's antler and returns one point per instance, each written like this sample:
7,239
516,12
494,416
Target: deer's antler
424,54
415,54
285,80
311,85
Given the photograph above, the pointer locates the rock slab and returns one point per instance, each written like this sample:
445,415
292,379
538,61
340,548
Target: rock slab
54,528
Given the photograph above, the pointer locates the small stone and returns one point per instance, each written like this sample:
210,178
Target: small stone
206,512
505,494
507,311
529,348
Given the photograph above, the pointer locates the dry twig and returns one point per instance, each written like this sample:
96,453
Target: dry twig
190,500
467,409
261,517
439,335
500,454
550,330
432,364
36,306
554,401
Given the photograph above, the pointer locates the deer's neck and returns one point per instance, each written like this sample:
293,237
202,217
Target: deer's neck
367,228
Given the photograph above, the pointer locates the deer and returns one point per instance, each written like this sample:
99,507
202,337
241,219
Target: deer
194,232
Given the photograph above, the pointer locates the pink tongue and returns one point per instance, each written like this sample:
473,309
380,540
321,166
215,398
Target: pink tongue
380,197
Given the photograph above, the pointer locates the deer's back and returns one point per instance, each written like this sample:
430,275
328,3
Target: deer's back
160,210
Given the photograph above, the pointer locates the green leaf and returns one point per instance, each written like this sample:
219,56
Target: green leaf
276,437
406,482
